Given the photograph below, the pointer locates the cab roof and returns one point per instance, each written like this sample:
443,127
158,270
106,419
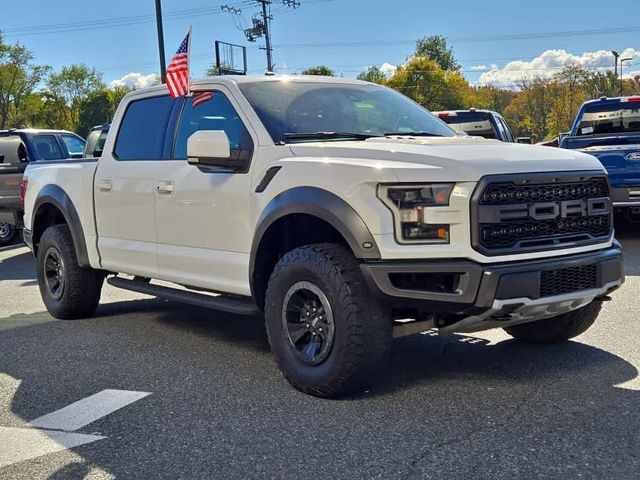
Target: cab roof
610,100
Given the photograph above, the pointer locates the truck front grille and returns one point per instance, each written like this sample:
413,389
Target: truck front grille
568,280
537,212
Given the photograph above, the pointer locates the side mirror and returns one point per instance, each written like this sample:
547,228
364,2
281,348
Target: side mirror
526,140
209,148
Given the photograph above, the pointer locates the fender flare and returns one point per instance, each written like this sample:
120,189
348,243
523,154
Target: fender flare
56,196
324,205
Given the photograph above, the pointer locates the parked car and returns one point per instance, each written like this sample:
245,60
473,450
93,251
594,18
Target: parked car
17,149
609,128
342,210
480,123
95,141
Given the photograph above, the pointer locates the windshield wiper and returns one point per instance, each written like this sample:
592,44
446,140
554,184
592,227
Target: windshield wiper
411,134
326,135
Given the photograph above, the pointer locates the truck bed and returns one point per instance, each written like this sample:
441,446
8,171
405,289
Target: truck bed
75,179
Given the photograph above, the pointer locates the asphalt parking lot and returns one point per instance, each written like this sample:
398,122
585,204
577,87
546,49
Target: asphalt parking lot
211,402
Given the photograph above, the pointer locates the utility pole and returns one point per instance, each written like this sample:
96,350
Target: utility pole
261,23
615,63
266,18
163,59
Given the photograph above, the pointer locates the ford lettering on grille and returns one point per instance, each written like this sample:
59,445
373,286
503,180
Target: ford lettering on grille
540,213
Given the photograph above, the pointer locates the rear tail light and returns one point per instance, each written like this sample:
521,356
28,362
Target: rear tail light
443,115
633,99
23,191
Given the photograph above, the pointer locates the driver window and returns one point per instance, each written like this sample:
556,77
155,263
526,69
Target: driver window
211,111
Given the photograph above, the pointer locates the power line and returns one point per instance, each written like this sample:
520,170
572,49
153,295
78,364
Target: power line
261,21
486,38
105,23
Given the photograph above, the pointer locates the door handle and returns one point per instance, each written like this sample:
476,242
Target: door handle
165,188
105,186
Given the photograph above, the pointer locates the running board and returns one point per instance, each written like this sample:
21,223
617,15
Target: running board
223,303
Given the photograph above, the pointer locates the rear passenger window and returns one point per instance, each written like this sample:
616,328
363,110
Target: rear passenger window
47,147
143,129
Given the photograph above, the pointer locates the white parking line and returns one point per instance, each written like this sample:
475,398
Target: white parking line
20,444
87,410
55,430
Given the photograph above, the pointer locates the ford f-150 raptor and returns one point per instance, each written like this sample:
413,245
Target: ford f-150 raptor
344,212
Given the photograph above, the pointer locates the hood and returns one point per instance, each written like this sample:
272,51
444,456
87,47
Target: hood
447,158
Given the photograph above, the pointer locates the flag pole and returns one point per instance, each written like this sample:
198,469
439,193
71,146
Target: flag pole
189,60
163,60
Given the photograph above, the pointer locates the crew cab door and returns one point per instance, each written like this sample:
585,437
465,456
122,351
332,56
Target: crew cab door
203,215
125,186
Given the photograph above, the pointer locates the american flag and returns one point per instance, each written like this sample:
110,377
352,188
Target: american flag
178,71
201,97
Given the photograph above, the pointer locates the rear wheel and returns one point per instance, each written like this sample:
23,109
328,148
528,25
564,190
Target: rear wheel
557,329
329,336
7,233
68,290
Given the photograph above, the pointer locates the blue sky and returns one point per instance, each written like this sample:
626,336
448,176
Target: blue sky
360,33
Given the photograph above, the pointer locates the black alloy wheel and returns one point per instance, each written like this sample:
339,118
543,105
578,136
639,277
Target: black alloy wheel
308,320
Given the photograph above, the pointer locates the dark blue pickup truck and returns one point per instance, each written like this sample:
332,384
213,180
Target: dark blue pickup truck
609,128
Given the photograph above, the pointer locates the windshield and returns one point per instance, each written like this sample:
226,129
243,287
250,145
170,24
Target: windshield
623,117
290,109
473,123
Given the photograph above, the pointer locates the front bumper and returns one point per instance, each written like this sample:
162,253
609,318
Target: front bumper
625,196
509,293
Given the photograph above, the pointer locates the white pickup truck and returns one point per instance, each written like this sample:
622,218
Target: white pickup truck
344,211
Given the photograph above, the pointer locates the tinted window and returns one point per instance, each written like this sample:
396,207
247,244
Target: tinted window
47,147
12,149
618,117
75,145
143,129
501,130
301,107
473,123
214,113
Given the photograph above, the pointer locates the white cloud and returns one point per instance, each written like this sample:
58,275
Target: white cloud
388,69
137,80
548,63
477,68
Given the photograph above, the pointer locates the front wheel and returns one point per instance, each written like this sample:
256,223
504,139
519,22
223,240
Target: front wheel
68,290
7,233
329,336
557,329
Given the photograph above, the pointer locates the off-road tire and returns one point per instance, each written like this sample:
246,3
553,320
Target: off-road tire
557,329
362,326
8,234
82,286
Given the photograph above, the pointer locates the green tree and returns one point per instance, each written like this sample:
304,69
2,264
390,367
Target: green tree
322,70
70,87
116,94
435,48
373,74
96,109
422,80
19,76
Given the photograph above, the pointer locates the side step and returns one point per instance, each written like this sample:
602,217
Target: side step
223,303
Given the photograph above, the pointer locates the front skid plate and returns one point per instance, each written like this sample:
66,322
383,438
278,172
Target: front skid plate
505,313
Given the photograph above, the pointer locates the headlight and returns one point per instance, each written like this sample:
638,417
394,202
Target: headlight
407,203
